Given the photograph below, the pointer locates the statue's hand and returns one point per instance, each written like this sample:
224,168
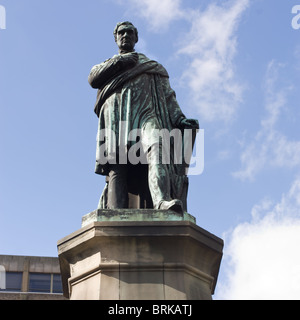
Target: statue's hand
129,59
189,124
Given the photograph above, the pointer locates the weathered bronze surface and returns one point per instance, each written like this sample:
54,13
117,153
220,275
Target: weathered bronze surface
134,95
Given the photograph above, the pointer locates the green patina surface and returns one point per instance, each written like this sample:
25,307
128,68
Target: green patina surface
105,215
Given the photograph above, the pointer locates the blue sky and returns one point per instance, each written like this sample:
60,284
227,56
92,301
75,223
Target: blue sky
235,66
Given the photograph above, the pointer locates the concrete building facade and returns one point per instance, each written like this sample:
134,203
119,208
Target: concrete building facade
30,278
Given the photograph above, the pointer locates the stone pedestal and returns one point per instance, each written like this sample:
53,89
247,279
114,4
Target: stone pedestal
139,255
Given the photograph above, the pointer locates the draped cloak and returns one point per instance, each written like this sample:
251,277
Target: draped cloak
138,98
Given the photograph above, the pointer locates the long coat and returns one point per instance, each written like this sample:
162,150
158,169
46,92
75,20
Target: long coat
139,98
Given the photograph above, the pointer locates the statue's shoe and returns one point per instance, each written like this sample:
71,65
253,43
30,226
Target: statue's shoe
175,205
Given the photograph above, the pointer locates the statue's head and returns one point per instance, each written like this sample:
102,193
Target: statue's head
126,36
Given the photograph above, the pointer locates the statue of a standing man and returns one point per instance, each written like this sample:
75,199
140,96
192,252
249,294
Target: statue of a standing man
134,93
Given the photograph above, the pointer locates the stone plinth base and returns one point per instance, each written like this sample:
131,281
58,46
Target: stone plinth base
106,215
139,260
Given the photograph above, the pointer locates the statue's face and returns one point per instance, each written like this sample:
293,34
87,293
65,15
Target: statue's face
126,38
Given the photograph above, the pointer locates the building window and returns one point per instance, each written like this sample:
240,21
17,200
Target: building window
39,282
45,282
56,284
13,281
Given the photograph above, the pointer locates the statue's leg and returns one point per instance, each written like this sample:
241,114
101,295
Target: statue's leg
102,204
159,182
117,187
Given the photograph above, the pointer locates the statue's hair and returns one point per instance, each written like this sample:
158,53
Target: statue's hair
126,23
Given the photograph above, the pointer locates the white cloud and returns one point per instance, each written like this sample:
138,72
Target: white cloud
262,257
141,46
211,46
157,13
270,147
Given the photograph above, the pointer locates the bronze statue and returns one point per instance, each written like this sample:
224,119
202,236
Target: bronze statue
134,95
